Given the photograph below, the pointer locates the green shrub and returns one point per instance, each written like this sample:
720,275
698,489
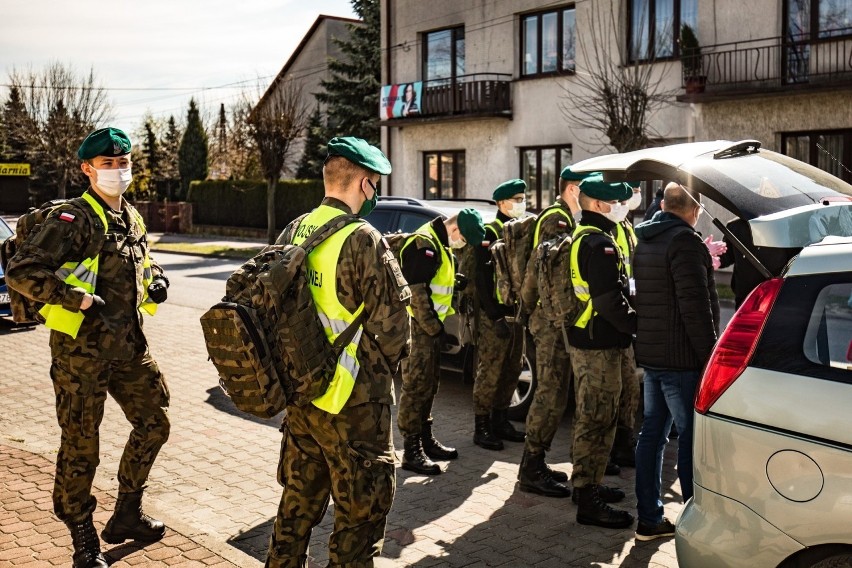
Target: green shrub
242,203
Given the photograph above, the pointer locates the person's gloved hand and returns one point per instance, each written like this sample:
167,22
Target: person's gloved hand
158,290
461,282
95,307
717,263
715,247
502,328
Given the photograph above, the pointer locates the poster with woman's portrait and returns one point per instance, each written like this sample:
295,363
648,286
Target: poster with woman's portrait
401,101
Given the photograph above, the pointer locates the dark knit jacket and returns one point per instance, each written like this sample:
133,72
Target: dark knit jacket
676,302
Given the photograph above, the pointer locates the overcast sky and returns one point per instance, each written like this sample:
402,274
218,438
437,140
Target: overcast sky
202,45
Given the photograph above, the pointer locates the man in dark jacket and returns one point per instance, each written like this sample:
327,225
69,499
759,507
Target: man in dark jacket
678,322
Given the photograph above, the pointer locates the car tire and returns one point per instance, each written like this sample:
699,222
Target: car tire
836,561
523,396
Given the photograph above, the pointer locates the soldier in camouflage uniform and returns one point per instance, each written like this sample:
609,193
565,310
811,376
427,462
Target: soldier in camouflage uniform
97,343
429,267
624,447
552,363
500,339
598,344
348,456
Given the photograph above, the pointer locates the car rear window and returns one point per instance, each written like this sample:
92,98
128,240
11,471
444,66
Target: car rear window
809,331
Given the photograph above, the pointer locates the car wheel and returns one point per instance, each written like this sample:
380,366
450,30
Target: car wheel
523,395
836,561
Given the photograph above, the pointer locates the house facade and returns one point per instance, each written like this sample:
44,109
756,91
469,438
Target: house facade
308,68
476,92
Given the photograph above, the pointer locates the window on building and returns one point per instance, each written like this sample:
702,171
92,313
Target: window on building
827,150
443,174
822,18
443,54
540,168
547,42
654,27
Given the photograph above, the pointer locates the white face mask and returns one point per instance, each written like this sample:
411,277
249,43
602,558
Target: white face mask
617,212
114,182
457,244
634,201
517,210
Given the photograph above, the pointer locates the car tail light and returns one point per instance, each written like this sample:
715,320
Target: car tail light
734,349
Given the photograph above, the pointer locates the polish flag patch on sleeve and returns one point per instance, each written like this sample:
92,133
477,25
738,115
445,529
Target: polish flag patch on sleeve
429,253
562,224
609,250
67,217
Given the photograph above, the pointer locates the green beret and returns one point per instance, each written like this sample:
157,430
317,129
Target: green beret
471,226
595,187
509,189
110,142
359,152
569,175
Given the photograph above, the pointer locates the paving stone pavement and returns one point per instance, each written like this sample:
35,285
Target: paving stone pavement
214,482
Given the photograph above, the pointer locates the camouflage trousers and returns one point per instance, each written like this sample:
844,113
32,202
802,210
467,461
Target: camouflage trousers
553,378
628,404
421,372
597,389
348,457
81,385
498,366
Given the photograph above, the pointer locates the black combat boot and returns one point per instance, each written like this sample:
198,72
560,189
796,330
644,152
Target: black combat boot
533,477
612,468
591,510
129,522
87,547
415,459
606,493
482,434
555,475
503,429
432,447
624,448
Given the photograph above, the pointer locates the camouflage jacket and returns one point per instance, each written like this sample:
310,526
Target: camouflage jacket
362,277
115,331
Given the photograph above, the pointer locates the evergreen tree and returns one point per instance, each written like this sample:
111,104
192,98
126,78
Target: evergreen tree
351,95
219,163
19,127
310,167
169,169
151,149
192,155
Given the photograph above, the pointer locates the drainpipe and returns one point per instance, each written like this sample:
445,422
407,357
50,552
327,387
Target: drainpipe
388,69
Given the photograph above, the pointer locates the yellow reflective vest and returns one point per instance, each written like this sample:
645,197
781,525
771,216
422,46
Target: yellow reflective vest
552,210
625,238
445,278
84,275
581,286
321,267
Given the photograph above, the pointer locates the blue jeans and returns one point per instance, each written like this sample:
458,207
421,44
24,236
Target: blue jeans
669,395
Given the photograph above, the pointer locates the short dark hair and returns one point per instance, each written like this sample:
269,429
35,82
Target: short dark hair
677,200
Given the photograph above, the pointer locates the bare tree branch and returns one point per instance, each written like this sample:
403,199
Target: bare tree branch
274,126
609,94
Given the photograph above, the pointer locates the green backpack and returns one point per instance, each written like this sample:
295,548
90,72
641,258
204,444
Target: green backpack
25,310
559,303
265,338
510,255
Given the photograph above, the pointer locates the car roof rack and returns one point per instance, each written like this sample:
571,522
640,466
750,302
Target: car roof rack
409,200
741,148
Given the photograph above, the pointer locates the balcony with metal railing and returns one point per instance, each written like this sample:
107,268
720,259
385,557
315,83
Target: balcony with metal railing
769,64
465,96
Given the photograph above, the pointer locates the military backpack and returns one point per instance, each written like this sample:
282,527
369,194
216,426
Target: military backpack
265,338
552,263
25,310
510,255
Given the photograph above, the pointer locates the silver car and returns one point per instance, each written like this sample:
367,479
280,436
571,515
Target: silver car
772,451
